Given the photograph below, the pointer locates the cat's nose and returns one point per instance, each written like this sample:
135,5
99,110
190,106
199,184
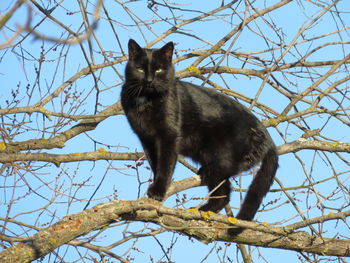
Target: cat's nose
149,81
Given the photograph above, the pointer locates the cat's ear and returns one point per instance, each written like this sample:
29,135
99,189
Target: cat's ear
167,51
134,49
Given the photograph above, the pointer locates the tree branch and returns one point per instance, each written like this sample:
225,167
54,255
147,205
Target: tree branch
205,227
59,140
102,154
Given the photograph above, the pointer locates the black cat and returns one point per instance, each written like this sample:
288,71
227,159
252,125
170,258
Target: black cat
173,117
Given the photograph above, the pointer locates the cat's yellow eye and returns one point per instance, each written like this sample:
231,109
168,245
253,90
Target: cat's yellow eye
159,70
140,70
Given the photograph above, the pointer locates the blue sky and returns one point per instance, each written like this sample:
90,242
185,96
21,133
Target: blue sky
115,131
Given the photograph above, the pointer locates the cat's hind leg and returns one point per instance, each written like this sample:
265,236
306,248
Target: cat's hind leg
219,188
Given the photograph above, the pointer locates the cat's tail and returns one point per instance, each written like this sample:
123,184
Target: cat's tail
259,186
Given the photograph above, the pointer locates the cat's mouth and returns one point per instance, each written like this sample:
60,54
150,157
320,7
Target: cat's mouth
148,85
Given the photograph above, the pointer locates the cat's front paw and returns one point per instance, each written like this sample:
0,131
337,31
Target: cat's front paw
156,192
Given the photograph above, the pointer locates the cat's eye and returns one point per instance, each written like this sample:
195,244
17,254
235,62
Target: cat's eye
159,70
140,70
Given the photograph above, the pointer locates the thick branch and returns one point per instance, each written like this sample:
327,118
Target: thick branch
302,144
57,159
205,227
102,154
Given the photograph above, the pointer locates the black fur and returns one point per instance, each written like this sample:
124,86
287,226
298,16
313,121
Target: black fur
173,117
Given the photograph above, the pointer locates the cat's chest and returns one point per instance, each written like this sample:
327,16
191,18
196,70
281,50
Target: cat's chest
147,111
145,120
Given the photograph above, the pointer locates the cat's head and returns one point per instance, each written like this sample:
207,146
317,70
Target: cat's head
150,70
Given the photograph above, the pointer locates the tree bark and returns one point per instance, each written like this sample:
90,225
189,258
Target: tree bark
206,227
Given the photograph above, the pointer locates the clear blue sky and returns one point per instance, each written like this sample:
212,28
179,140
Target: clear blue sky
115,130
